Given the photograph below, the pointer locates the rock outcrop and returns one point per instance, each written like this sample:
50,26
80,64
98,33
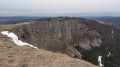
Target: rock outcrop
75,37
12,55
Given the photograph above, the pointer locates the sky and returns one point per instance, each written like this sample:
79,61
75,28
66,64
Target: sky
59,7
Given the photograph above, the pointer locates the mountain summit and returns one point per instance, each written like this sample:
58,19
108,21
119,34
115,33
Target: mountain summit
76,37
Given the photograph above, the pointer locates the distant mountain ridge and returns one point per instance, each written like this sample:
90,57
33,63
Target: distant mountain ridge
17,19
107,19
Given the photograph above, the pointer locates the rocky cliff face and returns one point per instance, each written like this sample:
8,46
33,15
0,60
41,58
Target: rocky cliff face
12,55
76,37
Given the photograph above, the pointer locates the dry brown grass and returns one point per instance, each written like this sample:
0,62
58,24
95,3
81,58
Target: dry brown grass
12,55
10,26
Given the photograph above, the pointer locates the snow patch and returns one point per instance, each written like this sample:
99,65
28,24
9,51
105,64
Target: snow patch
112,33
107,48
100,61
15,39
109,54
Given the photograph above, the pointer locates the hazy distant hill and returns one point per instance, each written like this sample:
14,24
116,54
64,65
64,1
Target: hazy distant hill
18,19
14,20
107,19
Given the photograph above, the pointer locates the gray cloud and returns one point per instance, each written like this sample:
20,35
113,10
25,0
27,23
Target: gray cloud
59,7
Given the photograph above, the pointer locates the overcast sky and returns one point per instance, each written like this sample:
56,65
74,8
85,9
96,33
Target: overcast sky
59,7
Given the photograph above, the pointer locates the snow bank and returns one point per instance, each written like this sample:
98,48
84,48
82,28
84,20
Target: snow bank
100,61
112,31
109,54
15,39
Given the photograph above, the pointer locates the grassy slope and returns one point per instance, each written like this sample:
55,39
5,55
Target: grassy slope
12,55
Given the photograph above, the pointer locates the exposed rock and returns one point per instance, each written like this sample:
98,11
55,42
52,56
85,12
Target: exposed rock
12,55
76,37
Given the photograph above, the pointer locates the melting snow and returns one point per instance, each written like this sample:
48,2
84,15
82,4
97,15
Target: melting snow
100,61
112,33
107,48
15,39
109,54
